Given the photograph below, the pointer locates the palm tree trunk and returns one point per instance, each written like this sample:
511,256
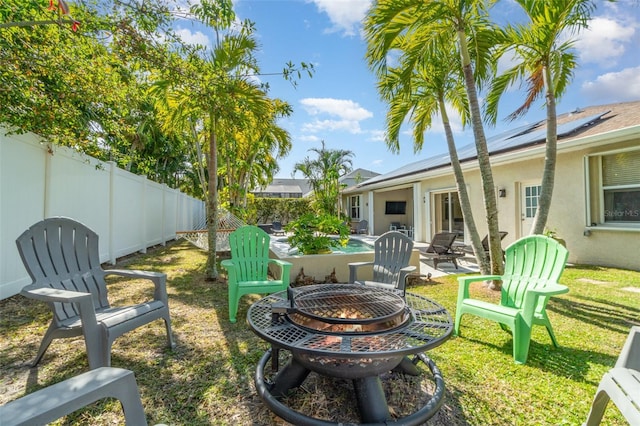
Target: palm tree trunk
551,151
212,206
486,174
463,194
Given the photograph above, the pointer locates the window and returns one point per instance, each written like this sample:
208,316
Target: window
531,196
395,207
621,187
354,202
614,188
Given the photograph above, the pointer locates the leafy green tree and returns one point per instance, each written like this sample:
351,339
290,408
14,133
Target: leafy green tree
467,22
324,173
546,60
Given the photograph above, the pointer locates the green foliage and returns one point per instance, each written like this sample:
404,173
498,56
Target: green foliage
282,209
312,233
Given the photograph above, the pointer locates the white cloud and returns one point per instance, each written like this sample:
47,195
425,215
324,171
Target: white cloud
604,41
343,108
344,115
345,15
332,126
193,38
621,85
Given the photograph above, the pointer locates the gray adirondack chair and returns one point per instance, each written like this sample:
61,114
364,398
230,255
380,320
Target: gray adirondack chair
61,256
49,404
392,254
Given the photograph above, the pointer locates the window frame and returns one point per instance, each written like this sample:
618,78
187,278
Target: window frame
357,206
595,203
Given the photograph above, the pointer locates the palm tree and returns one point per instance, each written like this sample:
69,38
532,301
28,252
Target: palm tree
547,63
324,175
467,22
215,90
419,89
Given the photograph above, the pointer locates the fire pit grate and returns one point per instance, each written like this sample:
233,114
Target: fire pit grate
383,328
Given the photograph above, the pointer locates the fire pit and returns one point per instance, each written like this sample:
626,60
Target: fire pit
348,331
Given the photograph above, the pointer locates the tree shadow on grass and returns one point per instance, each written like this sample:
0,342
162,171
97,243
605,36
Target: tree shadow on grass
564,361
598,312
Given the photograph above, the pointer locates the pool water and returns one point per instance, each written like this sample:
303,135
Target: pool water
282,246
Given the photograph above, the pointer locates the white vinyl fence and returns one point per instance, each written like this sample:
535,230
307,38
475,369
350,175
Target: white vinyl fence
128,212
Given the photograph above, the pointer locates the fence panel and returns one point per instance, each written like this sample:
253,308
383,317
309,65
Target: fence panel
129,212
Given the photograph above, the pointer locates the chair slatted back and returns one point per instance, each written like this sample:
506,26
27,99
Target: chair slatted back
441,242
63,254
392,252
531,262
250,250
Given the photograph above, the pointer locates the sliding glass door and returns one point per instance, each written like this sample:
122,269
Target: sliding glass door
448,214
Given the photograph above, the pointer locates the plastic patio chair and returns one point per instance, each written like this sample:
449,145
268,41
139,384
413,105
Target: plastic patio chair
361,227
53,402
62,257
248,267
440,249
276,228
533,266
392,254
620,384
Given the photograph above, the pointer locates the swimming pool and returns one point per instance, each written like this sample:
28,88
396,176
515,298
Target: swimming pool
283,248
358,249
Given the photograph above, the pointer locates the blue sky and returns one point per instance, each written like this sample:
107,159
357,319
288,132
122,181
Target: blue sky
340,104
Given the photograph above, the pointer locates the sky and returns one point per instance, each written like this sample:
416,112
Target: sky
340,104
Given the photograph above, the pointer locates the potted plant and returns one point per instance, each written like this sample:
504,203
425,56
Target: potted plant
315,234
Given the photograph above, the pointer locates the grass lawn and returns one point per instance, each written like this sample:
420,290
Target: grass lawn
208,378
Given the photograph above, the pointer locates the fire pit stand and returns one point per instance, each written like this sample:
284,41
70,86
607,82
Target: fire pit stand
348,331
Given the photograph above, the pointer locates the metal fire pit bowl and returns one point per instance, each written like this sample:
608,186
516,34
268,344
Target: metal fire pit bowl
348,331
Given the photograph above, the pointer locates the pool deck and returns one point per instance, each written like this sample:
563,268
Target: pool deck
465,264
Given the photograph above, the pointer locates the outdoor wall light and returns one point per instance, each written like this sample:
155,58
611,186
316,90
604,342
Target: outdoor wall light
586,232
502,192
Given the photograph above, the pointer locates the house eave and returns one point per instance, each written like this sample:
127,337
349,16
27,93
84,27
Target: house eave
505,157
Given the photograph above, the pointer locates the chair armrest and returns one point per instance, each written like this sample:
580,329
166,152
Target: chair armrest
550,290
464,282
280,262
531,297
159,280
402,279
285,268
46,294
84,302
353,269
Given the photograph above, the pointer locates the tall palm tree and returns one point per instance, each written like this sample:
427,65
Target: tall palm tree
418,89
324,173
215,90
467,21
544,58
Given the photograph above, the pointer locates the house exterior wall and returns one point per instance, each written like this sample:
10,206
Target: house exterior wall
605,245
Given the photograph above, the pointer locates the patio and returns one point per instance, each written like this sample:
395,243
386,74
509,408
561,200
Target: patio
208,378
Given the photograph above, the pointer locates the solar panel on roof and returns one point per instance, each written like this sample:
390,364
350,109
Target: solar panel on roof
511,139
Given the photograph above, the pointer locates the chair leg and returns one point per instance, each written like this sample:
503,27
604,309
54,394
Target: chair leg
44,345
234,300
167,325
456,325
521,341
598,406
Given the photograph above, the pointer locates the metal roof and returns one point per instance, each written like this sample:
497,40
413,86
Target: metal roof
510,140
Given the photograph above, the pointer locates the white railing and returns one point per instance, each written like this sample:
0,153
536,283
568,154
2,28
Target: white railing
127,211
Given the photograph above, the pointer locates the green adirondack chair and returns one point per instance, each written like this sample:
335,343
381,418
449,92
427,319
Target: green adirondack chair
533,266
249,266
